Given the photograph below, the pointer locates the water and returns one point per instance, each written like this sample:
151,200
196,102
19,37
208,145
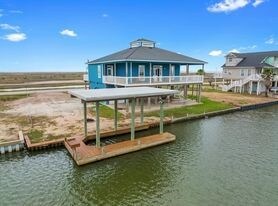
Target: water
225,160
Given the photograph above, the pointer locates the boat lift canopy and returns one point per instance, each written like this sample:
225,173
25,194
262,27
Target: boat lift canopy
108,94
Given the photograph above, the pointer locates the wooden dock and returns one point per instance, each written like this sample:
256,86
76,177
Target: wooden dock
60,141
84,154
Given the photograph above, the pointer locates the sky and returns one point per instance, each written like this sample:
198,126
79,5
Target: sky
50,35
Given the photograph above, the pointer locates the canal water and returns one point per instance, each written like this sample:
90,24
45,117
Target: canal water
225,160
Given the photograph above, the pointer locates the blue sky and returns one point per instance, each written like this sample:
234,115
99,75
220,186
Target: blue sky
61,35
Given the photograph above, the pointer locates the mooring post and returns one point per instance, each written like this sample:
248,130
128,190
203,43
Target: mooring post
85,119
142,110
97,126
161,114
132,129
116,115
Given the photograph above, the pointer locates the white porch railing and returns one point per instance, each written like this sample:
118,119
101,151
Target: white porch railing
240,83
154,80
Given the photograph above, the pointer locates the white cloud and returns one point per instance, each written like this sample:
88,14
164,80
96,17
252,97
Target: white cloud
232,5
228,5
16,11
258,2
9,27
16,37
234,51
216,53
105,15
270,40
67,32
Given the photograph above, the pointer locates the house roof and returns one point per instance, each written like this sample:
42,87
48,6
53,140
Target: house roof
254,59
150,54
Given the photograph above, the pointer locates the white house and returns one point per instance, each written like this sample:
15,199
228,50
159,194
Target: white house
242,71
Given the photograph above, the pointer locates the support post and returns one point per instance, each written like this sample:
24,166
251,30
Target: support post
251,87
97,126
258,87
142,110
185,91
85,119
150,72
149,102
116,115
199,95
132,129
161,114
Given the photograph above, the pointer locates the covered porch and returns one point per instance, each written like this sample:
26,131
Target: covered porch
134,73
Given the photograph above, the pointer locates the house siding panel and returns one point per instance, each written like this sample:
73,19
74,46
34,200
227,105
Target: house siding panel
95,81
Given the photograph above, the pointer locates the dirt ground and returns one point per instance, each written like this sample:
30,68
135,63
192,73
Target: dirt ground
236,99
54,113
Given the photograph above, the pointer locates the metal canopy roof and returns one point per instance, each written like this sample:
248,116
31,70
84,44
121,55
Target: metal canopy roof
93,95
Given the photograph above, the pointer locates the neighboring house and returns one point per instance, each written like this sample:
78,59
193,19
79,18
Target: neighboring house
242,71
142,64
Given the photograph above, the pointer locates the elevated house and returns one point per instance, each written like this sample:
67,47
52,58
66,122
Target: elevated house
242,71
142,64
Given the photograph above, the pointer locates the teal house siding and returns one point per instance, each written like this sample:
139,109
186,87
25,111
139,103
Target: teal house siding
95,76
126,63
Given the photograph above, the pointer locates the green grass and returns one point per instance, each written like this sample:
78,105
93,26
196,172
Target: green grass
206,106
7,98
106,112
35,135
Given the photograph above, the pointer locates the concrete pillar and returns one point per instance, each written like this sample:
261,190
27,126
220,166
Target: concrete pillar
185,91
10,149
115,115
149,102
187,69
97,126
161,114
17,147
127,106
258,88
132,128
85,118
250,87
142,110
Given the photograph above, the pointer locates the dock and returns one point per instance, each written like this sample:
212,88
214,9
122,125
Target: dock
84,154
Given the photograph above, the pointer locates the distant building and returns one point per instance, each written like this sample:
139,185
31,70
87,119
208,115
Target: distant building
243,71
142,64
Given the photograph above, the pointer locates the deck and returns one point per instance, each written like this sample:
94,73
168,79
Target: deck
84,154
154,80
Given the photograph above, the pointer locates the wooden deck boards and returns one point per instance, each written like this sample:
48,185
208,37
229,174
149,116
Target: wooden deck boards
84,154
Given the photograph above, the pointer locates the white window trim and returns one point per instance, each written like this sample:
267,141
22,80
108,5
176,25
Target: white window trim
111,68
143,68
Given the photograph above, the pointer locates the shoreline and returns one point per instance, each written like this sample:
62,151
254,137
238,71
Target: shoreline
54,143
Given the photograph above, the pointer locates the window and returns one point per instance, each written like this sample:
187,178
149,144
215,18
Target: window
242,72
110,70
99,71
141,72
172,70
249,72
230,59
225,71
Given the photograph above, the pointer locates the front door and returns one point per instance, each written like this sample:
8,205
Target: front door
157,73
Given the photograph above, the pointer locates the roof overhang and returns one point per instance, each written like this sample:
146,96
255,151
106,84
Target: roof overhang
94,95
145,60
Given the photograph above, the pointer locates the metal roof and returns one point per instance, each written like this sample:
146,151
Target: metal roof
93,95
148,54
254,59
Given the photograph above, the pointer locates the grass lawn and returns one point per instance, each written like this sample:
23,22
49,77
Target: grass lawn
7,98
206,106
105,112
37,136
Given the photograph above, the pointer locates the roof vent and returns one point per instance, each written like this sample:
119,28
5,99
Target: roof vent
142,43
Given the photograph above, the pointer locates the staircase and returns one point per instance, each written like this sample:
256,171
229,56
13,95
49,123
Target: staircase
242,82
